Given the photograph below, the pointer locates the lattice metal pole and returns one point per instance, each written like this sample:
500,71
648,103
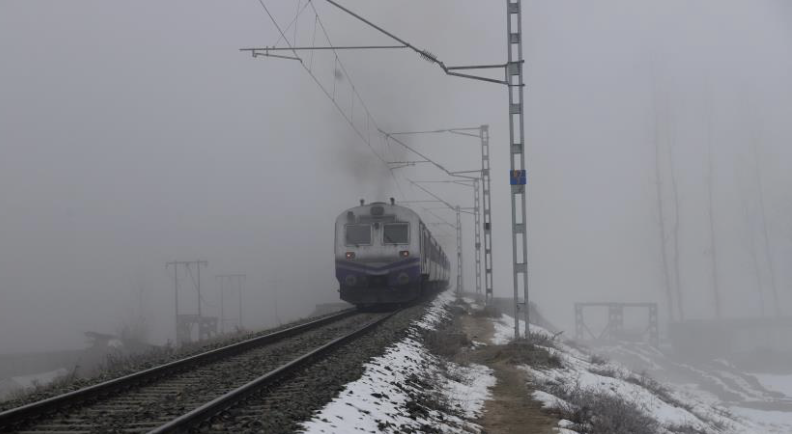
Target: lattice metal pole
487,208
477,234
514,78
459,287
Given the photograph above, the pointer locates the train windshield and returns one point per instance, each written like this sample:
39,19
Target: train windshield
396,233
358,234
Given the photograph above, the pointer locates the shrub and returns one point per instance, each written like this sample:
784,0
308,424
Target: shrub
519,353
597,412
487,312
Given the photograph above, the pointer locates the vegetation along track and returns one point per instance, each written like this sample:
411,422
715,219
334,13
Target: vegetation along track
179,395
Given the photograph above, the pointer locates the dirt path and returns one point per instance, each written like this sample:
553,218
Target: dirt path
511,409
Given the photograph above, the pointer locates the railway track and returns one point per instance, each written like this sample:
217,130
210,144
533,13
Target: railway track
180,396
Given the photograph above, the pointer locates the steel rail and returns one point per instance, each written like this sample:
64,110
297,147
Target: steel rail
184,423
35,410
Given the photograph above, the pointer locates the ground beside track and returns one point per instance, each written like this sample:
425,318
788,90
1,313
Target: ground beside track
158,356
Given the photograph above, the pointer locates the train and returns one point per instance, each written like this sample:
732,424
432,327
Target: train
386,255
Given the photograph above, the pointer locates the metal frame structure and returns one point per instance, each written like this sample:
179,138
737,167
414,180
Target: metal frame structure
185,322
460,284
487,212
615,325
477,233
514,78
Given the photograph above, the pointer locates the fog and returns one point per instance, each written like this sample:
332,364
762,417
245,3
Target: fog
136,133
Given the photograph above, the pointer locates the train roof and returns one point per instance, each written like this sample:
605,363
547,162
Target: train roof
378,210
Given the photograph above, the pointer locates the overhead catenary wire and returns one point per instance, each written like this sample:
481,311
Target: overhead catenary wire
339,64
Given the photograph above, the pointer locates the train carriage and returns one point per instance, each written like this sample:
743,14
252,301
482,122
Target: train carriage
385,254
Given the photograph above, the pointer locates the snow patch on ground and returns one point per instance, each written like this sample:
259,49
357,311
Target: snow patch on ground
671,405
777,383
41,379
384,398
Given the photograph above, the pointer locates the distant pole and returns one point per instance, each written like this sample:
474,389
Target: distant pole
477,234
459,284
480,197
274,284
222,316
176,297
239,286
232,279
198,288
186,264
487,211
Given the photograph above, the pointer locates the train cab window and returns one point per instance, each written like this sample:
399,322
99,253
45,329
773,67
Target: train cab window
358,234
396,233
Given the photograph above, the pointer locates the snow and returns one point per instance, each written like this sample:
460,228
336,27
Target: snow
777,383
771,421
680,404
504,329
40,379
379,400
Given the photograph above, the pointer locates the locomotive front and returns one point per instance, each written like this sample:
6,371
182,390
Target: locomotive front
377,254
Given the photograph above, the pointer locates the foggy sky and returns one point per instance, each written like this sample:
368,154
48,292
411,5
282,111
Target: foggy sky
133,134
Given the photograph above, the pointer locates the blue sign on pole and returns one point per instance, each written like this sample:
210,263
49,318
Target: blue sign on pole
517,177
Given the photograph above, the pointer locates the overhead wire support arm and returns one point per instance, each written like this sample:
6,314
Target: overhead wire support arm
429,57
433,195
265,54
258,51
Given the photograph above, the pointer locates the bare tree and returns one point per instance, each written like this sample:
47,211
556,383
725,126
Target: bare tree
675,227
711,214
661,221
763,216
749,223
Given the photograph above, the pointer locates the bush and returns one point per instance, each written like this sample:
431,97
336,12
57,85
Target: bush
596,412
685,429
486,312
445,342
518,353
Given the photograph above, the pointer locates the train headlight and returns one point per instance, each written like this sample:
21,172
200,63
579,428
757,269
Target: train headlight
350,255
351,280
403,278
404,253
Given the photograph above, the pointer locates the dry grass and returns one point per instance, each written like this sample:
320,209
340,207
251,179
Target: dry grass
486,312
518,353
597,412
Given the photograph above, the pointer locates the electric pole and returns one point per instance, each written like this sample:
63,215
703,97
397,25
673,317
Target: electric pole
234,281
459,288
184,322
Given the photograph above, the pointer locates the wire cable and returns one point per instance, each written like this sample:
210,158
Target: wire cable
339,63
